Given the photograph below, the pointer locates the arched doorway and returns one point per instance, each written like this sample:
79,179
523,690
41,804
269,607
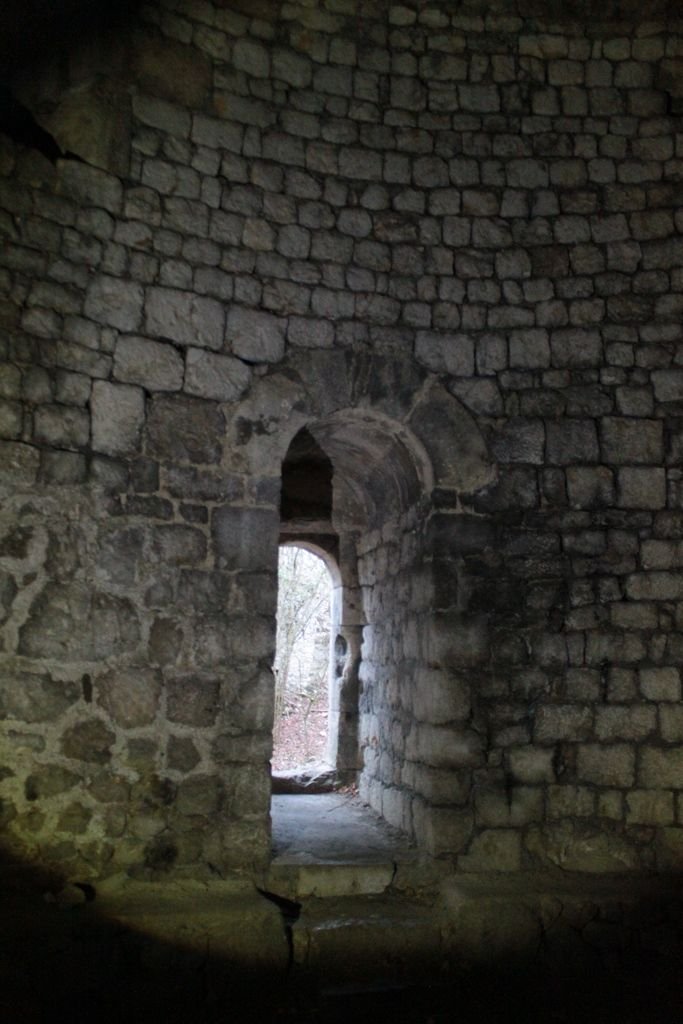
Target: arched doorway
353,490
308,522
381,468
302,662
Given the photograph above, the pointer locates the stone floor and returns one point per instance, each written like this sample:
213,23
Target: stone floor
332,828
331,844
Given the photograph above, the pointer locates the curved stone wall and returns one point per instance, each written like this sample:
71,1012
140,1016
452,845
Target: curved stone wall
466,219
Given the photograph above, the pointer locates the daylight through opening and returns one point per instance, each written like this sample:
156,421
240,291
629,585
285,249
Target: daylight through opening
302,660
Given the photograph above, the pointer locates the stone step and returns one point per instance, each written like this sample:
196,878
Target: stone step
383,939
297,879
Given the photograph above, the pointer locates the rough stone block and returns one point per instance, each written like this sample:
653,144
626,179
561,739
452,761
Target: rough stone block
118,412
291,68
529,350
49,780
200,795
606,766
590,486
661,683
182,755
130,697
183,428
570,801
114,302
641,487
493,850
172,70
90,740
256,337
444,830
35,698
444,747
244,538
214,376
309,332
578,846
179,545
631,440
151,364
440,698
624,723
576,347
62,468
193,700
445,353
62,426
655,586
571,441
90,186
668,384
671,723
532,765
184,317
649,807
661,768
496,808
216,133
520,440
563,722
157,113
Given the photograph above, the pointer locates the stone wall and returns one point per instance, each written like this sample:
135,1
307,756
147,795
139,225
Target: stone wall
462,222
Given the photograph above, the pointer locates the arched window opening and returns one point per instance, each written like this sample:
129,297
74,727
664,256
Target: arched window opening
302,660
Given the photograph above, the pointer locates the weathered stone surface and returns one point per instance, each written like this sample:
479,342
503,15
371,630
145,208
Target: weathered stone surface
200,795
73,624
661,767
193,700
95,125
90,186
49,780
18,463
493,850
611,765
256,337
445,830
119,553
451,251
150,364
441,698
114,302
445,353
183,317
130,697
29,698
624,440
172,70
182,428
182,755
244,538
165,641
179,545
118,414
641,487
444,746
579,847
89,741
660,683
221,378
445,427
62,426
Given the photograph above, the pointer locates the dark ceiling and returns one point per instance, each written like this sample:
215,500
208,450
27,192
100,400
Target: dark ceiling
31,29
